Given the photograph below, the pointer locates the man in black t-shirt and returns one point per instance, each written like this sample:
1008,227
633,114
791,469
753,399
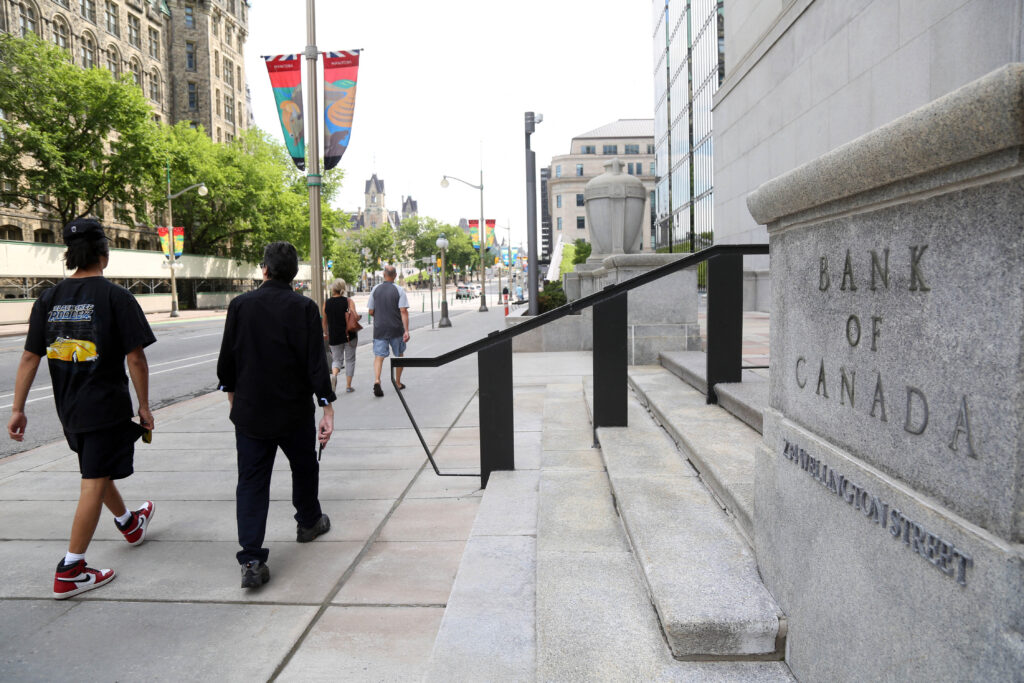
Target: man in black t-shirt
86,327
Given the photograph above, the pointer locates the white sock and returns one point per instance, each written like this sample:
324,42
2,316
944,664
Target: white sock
123,519
70,558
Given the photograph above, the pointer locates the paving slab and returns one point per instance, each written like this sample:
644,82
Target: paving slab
430,485
367,643
177,642
432,519
184,571
559,439
419,573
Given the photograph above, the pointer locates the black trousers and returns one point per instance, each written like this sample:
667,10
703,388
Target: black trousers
252,495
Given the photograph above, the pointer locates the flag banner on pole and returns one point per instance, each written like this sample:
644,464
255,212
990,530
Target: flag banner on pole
491,223
286,80
340,70
165,240
474,232
179,242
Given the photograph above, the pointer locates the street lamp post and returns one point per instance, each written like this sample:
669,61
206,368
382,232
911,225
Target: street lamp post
203,191
483,235
442,244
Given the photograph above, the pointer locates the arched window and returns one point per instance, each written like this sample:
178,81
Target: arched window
113,60
28,19
10,233
154,85
87,51
61,33
44,236
123,243
136,68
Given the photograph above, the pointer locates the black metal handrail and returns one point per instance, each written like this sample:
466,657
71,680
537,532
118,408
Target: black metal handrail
725,311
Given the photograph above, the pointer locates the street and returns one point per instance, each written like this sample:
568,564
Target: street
182,365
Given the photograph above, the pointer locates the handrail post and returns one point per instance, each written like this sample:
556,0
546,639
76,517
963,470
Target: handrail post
497,437
725,321
610,362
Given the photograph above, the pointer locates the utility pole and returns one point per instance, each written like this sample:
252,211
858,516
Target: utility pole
531,213
313,178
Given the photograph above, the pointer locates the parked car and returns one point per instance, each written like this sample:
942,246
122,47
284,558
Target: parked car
463,292
475,289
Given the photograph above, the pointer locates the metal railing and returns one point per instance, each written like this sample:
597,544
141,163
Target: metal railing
494,352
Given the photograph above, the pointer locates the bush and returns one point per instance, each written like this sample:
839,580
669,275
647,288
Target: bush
583,250
552,297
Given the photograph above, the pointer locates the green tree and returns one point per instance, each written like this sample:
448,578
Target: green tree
347,264
583,249
380,245
71,138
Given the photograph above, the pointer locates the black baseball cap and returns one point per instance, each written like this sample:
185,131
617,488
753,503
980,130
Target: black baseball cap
83,227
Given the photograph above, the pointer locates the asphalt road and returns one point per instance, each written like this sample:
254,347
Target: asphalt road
182,365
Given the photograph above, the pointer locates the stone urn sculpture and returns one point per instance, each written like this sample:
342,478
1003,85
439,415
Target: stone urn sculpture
615,212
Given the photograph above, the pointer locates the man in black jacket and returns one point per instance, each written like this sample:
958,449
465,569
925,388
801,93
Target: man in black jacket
271,362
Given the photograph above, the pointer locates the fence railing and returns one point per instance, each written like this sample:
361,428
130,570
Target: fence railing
494,352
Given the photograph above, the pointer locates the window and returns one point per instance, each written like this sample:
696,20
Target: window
218,102
579,199
44,236
10,233
193,96
134,31
558,201
229,35
239,44
558,171
229,107
113,24
122,243
27,20
220,135
154,43
632,149
154,85
559,224
579,169
136,70
215,24
228,137
581,223
238,74
87,51
190,56
113,61
229,72
611,149
588,149
650,150
190,16
63,3
231,6
652,168
61,34
88,10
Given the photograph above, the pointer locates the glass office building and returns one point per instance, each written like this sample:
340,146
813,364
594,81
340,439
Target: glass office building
689,65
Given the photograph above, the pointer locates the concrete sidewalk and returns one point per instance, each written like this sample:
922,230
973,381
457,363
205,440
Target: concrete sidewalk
364,601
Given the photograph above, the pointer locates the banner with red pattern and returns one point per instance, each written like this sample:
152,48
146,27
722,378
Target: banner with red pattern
340,72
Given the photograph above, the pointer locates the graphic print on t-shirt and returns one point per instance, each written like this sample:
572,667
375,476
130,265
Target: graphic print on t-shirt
71,333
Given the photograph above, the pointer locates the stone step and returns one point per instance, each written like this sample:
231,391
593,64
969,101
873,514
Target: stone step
746,400
700,571
716,443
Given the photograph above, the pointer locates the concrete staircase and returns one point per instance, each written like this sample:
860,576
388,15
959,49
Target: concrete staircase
627,562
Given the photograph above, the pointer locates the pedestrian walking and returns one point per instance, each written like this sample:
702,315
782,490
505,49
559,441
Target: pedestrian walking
389,307
271,363
86,327
339,338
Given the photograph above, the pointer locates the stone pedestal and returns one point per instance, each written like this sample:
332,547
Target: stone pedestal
889,505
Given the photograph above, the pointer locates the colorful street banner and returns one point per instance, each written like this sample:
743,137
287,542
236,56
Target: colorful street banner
179,242
490,232
165,241
340,71
474,232
286,80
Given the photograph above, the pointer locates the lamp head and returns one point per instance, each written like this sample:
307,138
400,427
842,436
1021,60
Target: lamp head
442,242
203,190
444,181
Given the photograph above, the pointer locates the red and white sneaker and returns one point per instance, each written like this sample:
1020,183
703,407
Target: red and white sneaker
72,579
135,529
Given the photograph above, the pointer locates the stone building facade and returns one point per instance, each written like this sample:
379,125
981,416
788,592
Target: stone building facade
179,52
375,207
631,140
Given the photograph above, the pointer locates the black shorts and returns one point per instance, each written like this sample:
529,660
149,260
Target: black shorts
106,452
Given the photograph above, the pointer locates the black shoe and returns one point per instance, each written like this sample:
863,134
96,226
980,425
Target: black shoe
322,526
377,391
255,574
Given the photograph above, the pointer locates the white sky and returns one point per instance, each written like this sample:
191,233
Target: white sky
443,85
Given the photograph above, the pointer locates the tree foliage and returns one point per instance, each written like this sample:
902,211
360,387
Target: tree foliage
583,250
73,137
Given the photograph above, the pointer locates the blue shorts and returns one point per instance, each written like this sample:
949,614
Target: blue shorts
380,346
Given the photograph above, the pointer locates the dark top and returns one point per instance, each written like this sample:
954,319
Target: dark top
272,358
387,319
336,308
85,327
